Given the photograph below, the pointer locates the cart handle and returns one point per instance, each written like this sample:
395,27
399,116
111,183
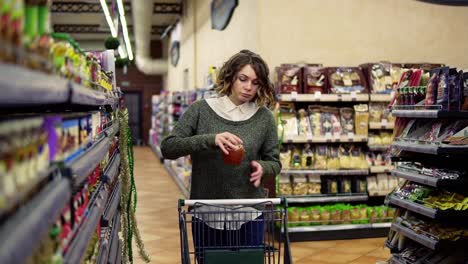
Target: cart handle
275,201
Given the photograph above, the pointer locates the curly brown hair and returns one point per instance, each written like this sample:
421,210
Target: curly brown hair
228,74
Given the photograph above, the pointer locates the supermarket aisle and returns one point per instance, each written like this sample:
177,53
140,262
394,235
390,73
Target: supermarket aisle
157,220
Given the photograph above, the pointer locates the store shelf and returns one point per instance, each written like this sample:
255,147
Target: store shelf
111,131
103,252
177,180
112,169
378,147
324,139
317,97
379,193
411,234
345,198
430,181
80,168
333,232
33,88
21,196
381,169
325,172
112,205
118,258
419,113
85,96
381,97
434,149
77,248
381,125
396,260
414,207
115,241
23,231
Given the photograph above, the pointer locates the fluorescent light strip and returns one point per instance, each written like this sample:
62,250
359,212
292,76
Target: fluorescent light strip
128,45
108,18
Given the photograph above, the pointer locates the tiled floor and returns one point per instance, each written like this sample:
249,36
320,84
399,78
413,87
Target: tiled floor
157,221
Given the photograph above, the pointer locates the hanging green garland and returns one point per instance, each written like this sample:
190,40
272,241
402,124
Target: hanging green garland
128,199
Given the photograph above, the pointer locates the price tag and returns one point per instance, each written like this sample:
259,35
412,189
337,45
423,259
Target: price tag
351,135
339,97
353,96
309,138
317,96
328,137
293,96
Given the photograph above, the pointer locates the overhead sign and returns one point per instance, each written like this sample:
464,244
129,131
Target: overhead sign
221,13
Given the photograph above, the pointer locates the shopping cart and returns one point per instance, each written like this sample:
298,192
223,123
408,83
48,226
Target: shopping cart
234,231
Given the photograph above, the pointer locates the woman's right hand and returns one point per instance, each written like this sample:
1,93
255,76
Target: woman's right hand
227,141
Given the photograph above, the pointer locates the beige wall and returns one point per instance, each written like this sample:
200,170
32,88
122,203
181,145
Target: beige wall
332,32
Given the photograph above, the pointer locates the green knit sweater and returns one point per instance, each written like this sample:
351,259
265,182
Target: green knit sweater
194,135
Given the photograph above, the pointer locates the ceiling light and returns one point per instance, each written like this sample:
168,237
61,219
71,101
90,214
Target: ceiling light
108,18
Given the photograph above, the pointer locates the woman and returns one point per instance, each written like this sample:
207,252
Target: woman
214,126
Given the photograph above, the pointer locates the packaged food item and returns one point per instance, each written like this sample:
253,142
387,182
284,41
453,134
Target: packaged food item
289,124
315,80
296,157
315,184
357,159
332,185
304,124
443,91
307,157
380,79
345,183
300,185
360,185
315,120
431,90
325,217
293,216
284,186
382,182
376,112
361,119
335,215
330,122
285,156
289,78
315,216
355,215
346,80
333,161
304,217
372,187
347,120
344,156
320,157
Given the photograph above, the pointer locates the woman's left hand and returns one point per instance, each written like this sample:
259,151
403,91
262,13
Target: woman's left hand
257,173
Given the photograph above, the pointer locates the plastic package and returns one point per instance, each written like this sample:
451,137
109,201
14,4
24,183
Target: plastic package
361,119
333,161
285,185
347,120
300,185
315,80
304,124
289,78
285,156
320,157
346,80
315,185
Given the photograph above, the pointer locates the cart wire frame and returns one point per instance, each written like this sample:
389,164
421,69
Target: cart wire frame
234,231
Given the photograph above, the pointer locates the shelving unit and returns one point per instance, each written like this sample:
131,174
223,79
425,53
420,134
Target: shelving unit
35,217
381,125
341,198
325,172
380,169
426,153
177,180
324,139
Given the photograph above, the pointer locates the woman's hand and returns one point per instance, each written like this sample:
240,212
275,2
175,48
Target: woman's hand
257,173
227,141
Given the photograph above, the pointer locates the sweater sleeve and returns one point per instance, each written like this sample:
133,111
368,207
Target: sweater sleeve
270,150
183,140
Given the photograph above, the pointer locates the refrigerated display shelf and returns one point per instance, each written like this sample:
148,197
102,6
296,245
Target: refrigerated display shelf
334,232
319,97
177,180
114,242
325,172
77,248
21,196
435,149
327,198
324,139
79,168
24,230
430,181
112,205
411,234
112,169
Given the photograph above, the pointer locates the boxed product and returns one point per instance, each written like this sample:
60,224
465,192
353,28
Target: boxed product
315,80
345,80
289,78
